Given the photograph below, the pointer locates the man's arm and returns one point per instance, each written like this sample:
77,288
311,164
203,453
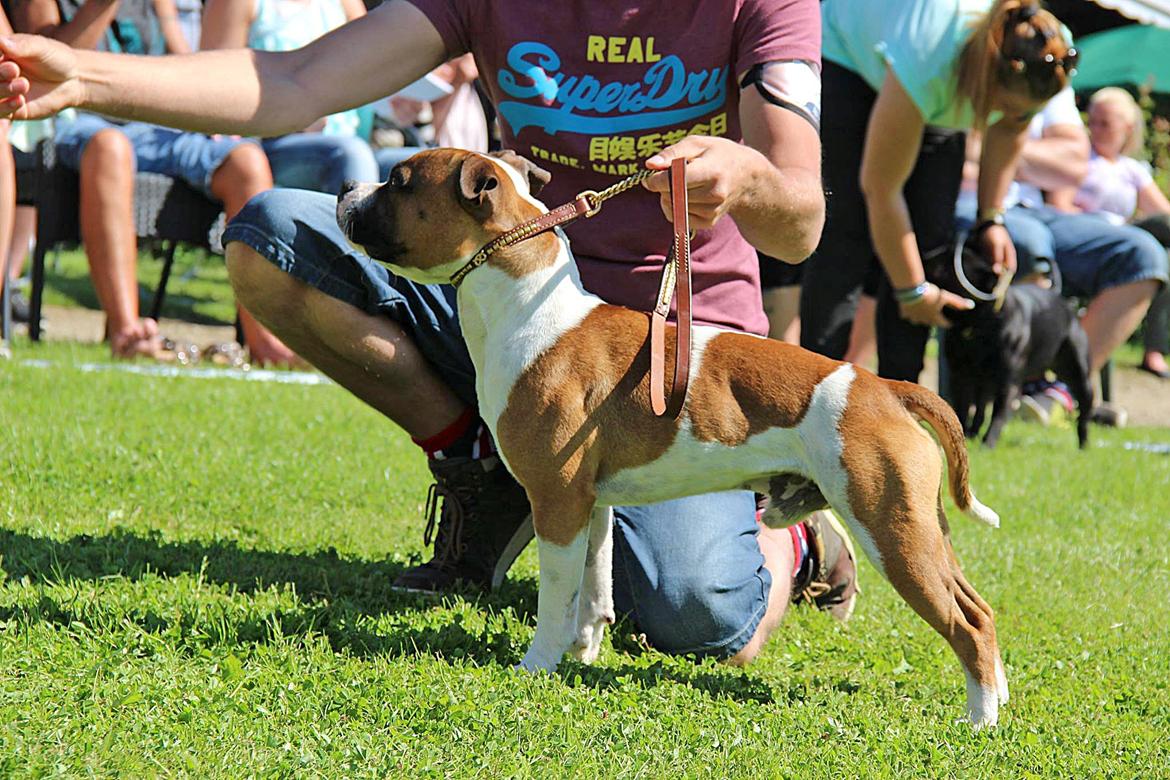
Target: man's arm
235,91
782,211
1058,160
83,31
770,184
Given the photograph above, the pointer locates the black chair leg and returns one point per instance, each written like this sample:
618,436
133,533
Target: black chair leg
161,291
37,292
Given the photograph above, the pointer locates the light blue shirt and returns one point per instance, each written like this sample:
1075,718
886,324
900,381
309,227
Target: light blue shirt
919,40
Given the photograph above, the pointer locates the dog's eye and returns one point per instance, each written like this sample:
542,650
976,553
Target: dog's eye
398,177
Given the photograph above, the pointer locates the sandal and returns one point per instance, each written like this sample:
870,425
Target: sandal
228,354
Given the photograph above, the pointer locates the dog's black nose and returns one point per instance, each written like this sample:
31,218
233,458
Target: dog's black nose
347,186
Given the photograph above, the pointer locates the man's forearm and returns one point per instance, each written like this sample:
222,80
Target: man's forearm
1054,163
264,93
782,212
221,91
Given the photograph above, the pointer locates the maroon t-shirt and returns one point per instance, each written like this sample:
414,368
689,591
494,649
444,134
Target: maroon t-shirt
590,90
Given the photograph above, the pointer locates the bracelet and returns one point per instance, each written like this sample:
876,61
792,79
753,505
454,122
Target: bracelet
912,294
986,223
990,214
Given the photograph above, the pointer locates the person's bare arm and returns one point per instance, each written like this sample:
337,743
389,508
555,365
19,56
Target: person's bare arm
353,9
226,24
168,22
1057,160
893,140
83,31
232,91
1152,200
770,184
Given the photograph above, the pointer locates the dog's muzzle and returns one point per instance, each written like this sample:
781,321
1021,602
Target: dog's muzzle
352,202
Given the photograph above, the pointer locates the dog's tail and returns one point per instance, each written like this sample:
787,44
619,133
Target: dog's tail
935,411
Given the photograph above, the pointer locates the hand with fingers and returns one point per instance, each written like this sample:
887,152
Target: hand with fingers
38,77
996,244
718,172
927,307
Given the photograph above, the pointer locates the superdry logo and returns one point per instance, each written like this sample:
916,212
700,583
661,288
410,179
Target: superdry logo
666,95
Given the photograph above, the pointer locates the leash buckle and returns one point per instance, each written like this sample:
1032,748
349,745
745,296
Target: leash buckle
593,198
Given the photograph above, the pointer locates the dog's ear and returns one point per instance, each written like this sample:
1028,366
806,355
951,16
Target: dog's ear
479,186
537,176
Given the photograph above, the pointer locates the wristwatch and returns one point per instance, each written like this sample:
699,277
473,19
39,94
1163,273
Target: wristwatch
987,218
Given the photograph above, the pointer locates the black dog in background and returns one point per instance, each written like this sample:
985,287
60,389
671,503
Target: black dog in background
993,349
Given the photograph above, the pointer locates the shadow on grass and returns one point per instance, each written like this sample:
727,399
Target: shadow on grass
341,599
185,301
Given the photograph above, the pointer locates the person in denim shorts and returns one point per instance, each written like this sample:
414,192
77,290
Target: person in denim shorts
106,153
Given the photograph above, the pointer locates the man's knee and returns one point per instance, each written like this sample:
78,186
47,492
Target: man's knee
702,616
259,285
244,169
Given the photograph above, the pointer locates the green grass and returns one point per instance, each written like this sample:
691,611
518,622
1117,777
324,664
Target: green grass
194,581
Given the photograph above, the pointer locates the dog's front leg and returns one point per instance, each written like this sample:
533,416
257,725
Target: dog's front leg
595,605
1001,410
562,543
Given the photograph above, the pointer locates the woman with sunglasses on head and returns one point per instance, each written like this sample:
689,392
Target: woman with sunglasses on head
902,81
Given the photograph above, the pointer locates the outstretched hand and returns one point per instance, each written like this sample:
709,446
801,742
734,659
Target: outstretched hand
928,310
716,177
38,77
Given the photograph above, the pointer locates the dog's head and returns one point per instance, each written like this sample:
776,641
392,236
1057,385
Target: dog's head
437,208
974,266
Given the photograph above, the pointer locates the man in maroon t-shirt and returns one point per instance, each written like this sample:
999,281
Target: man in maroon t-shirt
592,91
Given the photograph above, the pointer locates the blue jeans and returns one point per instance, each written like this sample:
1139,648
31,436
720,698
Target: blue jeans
1091,253
313,161
689,572
190,157
1035,246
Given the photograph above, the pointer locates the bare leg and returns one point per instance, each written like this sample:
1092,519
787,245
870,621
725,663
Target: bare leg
776,545
107,232
1113,315
7,198
24,231
782,305
863,335
242,174
372,357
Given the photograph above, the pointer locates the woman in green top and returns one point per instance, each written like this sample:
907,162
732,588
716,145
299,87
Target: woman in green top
902,80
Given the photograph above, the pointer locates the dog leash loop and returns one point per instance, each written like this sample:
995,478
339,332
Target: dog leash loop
676,277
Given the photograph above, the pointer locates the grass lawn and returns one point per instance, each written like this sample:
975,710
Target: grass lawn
194,581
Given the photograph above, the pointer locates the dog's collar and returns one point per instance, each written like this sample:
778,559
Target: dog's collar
585,205
998,294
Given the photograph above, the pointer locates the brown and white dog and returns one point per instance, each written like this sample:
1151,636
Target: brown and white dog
562,381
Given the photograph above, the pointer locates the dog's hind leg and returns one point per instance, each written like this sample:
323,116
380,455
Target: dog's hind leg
595,605
562,538
900,514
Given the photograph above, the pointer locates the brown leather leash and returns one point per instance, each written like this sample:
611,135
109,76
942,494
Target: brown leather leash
676,273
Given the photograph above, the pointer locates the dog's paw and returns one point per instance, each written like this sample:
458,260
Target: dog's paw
536,662
587,646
